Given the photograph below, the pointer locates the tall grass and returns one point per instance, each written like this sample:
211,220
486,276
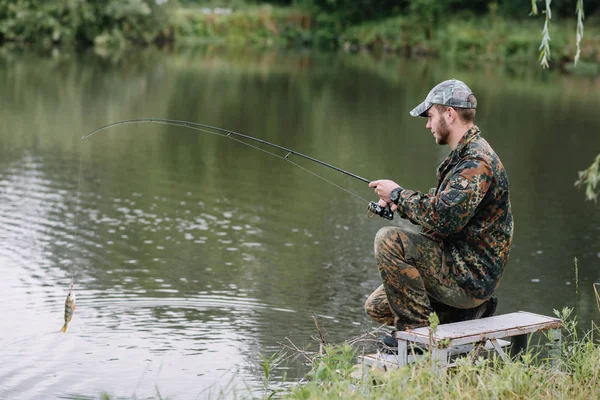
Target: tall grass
572,373
596,285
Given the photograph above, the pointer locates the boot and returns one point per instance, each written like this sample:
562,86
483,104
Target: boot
388,344
484,310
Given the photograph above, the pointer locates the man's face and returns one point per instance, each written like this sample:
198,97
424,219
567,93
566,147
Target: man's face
437,124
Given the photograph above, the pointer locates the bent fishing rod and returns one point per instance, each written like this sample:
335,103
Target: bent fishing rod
373,208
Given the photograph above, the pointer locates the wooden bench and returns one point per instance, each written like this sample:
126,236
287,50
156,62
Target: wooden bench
462,337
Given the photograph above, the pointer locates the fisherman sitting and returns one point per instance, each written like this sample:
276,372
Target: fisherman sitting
453,263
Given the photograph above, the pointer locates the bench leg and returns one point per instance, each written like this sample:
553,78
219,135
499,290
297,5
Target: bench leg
402,357
555,336
518,344
499,350
439,359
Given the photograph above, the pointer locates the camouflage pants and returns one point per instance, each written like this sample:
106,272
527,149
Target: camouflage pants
416,281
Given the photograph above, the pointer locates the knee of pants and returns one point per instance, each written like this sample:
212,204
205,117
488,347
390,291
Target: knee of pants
377,314
386,240
368,307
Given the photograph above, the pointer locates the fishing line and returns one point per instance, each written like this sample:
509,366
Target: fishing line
326,180
77,208
234,136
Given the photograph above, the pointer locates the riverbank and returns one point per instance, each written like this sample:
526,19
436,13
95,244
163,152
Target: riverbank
463,37
466,40
530,376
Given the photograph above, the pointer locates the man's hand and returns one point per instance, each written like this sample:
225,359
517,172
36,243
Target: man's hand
383,188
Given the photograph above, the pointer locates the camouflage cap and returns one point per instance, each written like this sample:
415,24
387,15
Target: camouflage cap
453,93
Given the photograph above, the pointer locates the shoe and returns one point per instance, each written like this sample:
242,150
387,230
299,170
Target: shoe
389,344
490,310
484,310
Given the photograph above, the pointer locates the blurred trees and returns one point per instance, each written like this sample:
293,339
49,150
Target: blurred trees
52,22
355,11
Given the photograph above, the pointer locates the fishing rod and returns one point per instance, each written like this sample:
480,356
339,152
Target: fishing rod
373,208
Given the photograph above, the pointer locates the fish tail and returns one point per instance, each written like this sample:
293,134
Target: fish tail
64,328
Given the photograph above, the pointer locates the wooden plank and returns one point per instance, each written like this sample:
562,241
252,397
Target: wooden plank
385,361
467,348
517,323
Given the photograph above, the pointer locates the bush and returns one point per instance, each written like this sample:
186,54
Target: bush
53,22
258,25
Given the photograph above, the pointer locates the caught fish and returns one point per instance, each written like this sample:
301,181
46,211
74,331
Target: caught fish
69,308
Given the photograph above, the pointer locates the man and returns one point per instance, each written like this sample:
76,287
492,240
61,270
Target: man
454,263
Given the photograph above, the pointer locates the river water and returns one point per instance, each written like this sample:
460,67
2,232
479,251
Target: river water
193,255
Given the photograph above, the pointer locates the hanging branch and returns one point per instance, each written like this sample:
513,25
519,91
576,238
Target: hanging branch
589,179
545,45
534,10
579,34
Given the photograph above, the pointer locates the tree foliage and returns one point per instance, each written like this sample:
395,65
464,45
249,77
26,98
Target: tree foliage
356,11
80,21
589,179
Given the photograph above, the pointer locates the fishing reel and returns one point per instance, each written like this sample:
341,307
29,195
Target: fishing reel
375,209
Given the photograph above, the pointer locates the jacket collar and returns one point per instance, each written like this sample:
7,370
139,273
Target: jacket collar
454,156
467,138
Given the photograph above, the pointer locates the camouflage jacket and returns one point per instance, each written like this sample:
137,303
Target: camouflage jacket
469,213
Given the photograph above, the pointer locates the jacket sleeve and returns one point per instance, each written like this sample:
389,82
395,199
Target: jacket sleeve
454,205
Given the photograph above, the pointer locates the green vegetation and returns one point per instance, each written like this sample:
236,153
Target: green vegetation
261,26
575,375
493,32
87,22
484,39
487,38
589,179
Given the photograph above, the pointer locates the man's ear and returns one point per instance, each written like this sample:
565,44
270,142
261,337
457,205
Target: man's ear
451,114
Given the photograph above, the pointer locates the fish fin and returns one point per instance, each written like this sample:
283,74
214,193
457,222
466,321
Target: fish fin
64,328
74,308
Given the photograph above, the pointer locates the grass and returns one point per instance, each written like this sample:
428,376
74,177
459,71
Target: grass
529,376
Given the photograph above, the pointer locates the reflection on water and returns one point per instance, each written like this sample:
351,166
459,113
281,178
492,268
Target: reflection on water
192,254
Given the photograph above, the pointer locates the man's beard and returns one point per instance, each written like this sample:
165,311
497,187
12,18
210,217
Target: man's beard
443,132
